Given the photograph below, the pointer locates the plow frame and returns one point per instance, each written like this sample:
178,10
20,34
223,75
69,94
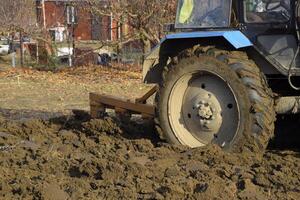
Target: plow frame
99,103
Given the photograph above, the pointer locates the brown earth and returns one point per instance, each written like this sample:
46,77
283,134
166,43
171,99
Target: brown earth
48,153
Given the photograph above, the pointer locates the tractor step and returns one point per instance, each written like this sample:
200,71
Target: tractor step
99,103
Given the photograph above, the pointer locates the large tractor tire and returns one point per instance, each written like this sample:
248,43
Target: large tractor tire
215,96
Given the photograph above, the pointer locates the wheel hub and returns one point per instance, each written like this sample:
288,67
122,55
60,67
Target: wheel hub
205,111
208,112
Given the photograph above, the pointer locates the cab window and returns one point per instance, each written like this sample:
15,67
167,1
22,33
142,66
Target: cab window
267,11
203,13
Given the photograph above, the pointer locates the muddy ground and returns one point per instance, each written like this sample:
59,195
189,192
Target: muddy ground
46,152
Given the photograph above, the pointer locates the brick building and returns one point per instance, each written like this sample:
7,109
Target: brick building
59,16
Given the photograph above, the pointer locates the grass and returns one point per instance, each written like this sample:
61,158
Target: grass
65,90
5,61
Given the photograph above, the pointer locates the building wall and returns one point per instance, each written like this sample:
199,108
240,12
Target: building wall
55,15
83,29
114,30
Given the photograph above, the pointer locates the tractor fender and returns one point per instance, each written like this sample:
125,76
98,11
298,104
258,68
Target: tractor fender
173,43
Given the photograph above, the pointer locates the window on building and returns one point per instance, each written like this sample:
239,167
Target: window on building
71,15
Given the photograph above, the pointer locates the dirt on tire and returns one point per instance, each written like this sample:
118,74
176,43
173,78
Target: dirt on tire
77,158
247,83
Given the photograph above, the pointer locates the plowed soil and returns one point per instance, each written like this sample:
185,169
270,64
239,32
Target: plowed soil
52,154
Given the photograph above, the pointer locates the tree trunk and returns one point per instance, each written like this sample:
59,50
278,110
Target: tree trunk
146,46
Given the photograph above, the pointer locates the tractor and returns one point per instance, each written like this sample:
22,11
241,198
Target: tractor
223,74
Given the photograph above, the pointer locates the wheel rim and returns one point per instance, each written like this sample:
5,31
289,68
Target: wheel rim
203,109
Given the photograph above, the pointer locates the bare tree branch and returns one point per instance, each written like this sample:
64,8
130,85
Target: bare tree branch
18,15
145,18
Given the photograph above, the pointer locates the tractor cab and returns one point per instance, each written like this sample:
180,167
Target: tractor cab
270,25
196,14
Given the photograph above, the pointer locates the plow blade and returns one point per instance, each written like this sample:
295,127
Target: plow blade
99,103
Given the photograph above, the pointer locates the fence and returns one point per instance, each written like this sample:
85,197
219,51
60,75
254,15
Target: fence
57,55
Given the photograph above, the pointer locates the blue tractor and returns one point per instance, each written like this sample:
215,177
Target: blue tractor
225,73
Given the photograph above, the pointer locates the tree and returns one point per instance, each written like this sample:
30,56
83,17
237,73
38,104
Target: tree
145,18
17,15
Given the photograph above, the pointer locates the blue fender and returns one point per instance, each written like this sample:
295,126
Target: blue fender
236,38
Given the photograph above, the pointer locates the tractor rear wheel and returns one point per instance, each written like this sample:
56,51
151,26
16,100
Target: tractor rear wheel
215,96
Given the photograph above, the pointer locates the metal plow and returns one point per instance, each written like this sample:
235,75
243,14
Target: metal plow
124,107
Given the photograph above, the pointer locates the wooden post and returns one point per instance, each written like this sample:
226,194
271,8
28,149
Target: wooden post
21,49
37,52
73,40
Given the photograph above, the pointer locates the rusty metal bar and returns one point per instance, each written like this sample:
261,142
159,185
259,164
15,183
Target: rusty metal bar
144,98
99,103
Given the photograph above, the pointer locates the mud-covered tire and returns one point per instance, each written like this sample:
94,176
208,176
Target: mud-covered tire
255,98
